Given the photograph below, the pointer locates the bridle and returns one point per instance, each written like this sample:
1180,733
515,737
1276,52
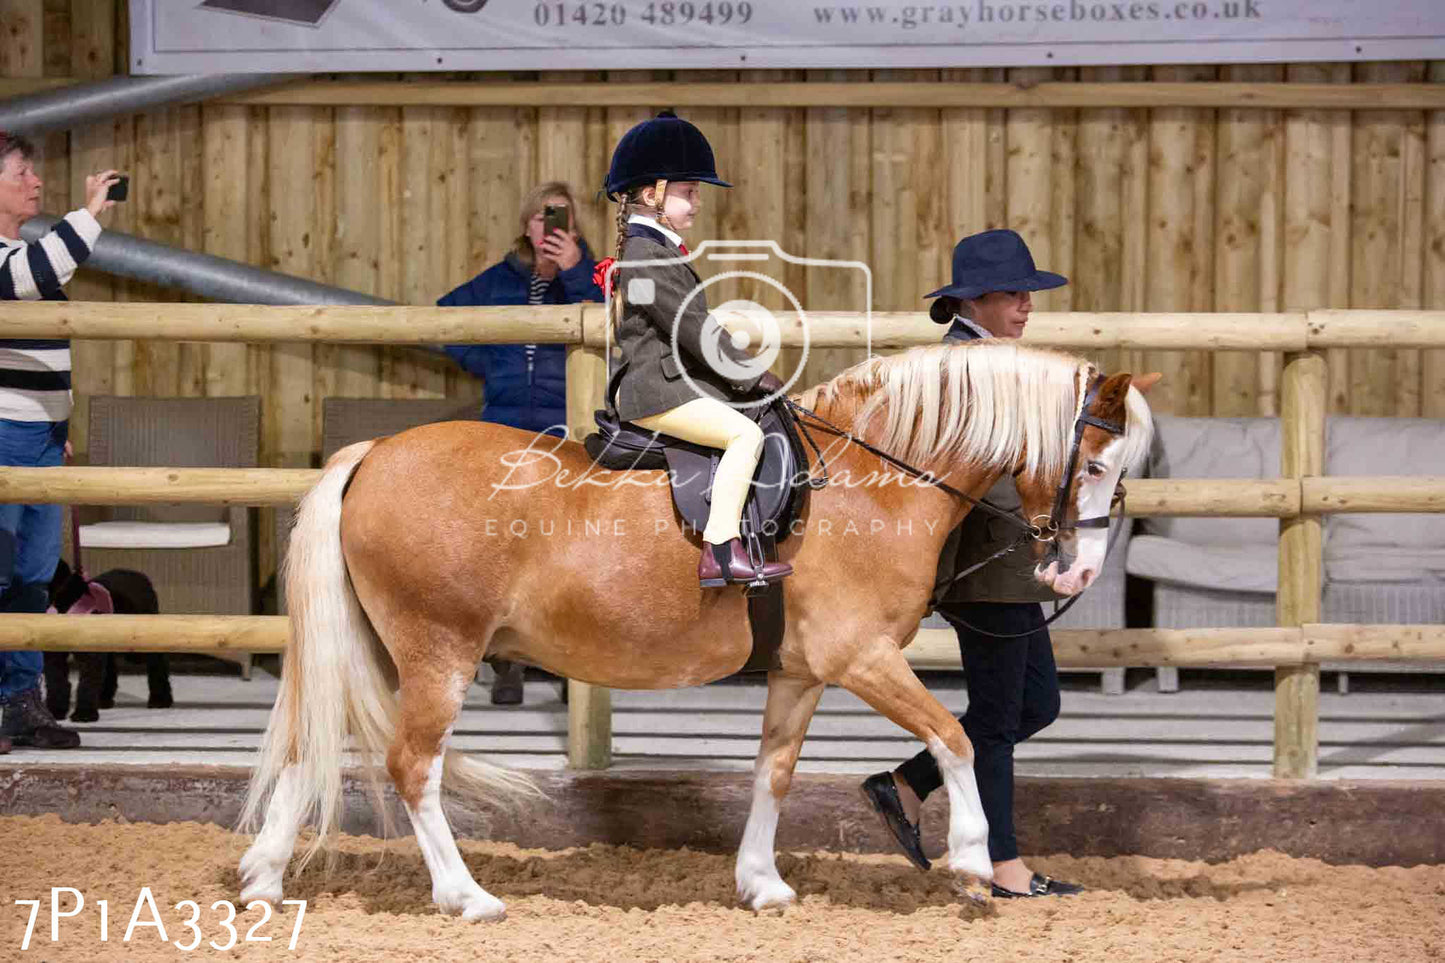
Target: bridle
1054,524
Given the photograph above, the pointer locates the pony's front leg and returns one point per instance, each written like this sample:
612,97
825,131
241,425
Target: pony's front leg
880,675
967,824
785,722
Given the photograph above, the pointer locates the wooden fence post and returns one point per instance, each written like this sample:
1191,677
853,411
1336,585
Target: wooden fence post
1302,455
589,707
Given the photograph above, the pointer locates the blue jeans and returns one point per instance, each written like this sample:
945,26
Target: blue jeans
29,541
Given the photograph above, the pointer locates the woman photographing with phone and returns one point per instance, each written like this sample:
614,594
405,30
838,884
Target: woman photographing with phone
525,385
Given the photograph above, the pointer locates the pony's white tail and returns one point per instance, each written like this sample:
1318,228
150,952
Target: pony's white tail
337,680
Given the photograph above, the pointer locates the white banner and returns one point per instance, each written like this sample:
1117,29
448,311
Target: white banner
215,36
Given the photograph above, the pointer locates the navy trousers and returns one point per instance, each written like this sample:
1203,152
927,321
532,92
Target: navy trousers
1013,692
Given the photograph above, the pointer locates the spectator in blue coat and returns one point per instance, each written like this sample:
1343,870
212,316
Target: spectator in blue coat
525,385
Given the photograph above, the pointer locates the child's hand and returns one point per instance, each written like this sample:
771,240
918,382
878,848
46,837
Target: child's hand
770,383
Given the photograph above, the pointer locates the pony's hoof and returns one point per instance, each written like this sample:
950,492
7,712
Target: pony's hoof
972,861
774,894
260,878
475,907
263,890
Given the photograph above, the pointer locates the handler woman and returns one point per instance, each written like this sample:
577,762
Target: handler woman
1013,685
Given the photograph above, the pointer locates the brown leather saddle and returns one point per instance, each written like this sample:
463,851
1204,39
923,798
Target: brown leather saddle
775,499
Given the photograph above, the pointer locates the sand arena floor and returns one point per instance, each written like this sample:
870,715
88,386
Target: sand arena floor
615,904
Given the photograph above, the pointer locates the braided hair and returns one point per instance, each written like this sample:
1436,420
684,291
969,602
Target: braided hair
623,203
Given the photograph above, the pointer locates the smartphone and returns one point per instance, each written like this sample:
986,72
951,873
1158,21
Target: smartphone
556,217
120,190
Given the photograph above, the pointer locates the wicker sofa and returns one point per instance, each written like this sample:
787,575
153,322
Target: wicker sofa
199,557
1378,568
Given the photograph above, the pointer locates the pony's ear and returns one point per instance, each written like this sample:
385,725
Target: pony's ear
1112,394
1146,381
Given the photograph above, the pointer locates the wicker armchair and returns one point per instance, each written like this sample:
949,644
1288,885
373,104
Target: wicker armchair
345,421
181,433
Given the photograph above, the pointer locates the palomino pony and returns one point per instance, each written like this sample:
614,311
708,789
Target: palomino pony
417,555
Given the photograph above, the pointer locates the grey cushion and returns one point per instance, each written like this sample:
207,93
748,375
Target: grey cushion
1386,563
1237,568
1384,446
1215,448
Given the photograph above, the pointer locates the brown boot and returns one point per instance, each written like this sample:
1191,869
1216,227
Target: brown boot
5,745
26,722
729,564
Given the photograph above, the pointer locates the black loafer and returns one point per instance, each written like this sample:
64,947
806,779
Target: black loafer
882,794
1039,885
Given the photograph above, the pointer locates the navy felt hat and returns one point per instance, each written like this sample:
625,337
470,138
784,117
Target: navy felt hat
995,261
663,148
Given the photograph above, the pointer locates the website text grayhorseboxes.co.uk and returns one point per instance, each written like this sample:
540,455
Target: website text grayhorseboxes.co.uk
983,12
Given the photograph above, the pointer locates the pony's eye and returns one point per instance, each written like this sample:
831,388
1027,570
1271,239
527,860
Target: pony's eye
1095,469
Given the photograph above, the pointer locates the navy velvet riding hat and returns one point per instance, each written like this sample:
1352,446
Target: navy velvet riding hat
665,147
995,261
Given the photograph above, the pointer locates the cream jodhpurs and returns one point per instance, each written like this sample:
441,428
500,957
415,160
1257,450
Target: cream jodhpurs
707,421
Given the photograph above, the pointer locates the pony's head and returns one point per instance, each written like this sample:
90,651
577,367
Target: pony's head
992,408
1071,508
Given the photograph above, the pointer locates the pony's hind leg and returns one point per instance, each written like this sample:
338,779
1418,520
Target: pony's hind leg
265,862
881,676
785,722
428,710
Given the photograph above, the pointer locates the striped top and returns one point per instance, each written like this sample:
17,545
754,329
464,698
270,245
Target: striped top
536,294
35,372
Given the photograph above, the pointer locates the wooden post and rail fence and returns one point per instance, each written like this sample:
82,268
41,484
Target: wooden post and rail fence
1299,497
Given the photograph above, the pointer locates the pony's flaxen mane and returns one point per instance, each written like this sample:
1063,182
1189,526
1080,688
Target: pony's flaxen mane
990,402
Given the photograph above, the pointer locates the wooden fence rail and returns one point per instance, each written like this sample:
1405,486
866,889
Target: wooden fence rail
584,324
1148,497
1298,498
931,648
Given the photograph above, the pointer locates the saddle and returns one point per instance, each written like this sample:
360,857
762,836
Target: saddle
775,498
779,486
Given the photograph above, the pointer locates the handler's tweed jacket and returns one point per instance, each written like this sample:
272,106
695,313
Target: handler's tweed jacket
1006,579
653,382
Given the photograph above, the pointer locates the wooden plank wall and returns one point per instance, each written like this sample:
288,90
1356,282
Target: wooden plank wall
1169,209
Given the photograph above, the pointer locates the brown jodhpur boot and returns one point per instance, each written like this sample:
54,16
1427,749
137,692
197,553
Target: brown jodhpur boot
729,564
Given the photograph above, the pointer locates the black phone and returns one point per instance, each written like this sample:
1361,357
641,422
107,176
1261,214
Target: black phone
556,217
120,190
